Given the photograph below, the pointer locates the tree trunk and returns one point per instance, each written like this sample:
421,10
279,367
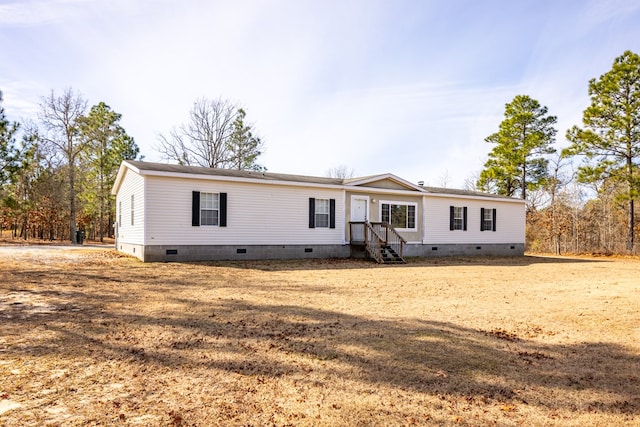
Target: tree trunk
523,185
630,224
631,217
102,196
72,202
102,211
110,228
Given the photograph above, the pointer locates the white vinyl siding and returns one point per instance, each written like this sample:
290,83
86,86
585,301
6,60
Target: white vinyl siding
133,209
257,214
510,223
130,202
374,210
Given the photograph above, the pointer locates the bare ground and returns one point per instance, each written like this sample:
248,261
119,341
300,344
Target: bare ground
89,337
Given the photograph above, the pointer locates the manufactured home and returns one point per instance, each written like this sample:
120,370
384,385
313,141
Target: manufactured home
183,213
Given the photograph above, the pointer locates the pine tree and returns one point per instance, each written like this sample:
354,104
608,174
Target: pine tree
107,146
610,139
243,147
516,163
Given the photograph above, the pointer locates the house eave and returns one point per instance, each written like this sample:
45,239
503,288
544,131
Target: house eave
355,186
488,197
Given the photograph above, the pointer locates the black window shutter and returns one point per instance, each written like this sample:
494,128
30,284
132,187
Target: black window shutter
464,218
494,220
195,209
451,210
312,212
481,219
223,209
332,213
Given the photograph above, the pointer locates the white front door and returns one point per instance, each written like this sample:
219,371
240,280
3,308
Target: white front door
359,209
359,213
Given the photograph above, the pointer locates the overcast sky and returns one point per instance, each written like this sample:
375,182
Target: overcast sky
407,87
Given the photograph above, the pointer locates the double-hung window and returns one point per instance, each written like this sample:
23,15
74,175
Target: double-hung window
132,208
399,215
209,209
458,218
487,219
322,213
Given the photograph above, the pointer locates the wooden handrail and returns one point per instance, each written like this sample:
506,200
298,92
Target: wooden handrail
375,235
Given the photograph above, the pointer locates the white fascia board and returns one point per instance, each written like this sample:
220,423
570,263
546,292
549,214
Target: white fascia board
242,180
474,197
349,187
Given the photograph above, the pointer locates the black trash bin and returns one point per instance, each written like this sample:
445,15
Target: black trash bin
79,237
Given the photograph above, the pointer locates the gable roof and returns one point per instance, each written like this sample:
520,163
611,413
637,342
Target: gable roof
150,168
387,176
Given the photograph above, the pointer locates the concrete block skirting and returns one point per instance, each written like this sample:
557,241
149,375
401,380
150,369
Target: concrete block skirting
474,249
183,253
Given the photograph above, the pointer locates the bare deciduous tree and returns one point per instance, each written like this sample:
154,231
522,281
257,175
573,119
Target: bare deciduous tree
470,181
59,116
340,171
203,140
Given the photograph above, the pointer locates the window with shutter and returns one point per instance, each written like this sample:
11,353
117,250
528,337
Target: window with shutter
209,209
487,219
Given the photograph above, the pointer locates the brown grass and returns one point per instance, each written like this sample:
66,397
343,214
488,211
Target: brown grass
88,337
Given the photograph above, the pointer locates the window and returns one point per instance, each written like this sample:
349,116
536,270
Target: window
209,209
487,219
458,218
399,215
120,213
322,213
132,208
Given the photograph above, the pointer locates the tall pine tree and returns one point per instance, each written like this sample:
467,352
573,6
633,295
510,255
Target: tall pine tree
610,138
516,163
243,146
9,152
107,146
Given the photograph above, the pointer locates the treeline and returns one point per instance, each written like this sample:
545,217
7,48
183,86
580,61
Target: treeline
590,208
56,173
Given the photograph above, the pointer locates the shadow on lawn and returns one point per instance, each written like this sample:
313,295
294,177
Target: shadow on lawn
438,358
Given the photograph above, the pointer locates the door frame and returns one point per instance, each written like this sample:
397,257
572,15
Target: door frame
359,197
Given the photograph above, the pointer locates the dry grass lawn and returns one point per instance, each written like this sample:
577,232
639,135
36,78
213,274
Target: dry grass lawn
88,337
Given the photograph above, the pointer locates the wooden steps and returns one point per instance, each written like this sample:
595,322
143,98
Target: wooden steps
389,256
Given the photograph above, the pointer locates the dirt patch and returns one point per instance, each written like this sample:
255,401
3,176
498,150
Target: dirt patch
91,337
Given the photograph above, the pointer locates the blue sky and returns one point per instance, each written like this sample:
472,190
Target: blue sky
407,87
